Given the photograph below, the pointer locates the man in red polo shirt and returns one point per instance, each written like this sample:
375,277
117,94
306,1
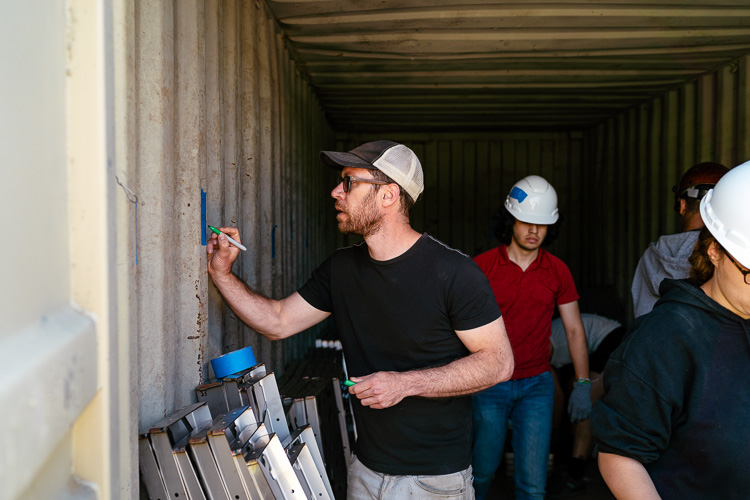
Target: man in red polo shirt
528,283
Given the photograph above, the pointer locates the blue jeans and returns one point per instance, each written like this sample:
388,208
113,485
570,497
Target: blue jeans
366,484
527,404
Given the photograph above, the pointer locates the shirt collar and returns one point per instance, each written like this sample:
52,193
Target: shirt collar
540,260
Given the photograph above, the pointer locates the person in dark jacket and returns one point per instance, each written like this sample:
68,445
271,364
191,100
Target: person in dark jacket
674,420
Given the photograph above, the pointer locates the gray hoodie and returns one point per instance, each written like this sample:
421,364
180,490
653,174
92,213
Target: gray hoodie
667,258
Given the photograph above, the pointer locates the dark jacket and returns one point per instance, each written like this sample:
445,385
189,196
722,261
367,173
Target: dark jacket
678,397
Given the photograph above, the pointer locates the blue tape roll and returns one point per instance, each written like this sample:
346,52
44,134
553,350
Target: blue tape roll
233,362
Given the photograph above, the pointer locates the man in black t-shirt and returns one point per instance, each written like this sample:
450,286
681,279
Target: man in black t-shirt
418,322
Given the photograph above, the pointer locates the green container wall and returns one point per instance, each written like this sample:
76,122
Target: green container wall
614,182
635,158
468,176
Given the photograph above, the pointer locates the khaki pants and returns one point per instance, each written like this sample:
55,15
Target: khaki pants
364,484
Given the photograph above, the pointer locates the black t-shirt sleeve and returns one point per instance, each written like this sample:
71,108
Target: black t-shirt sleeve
472,303
317,290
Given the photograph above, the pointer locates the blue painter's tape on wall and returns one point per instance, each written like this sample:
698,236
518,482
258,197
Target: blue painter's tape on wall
203,217
518,194
233,362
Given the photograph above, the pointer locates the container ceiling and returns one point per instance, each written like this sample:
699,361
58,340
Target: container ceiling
434,65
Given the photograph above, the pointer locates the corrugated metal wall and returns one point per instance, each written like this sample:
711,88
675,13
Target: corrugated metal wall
635,158
468,176
613,182
219,109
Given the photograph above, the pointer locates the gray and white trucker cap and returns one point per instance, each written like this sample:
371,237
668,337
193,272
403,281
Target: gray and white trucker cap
393,159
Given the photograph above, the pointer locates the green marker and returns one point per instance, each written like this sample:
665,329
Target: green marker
349,383
232,241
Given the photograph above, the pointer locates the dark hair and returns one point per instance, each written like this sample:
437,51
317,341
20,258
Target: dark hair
406,200
503,222
701,177
701,267
692,205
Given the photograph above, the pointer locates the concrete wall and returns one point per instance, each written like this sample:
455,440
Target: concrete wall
220,123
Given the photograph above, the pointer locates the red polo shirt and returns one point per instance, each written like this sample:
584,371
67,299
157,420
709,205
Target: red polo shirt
527,301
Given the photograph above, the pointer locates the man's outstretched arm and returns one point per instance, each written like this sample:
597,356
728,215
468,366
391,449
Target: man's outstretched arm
274,319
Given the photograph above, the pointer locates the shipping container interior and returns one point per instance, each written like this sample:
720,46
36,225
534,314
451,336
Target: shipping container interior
128,127
233,101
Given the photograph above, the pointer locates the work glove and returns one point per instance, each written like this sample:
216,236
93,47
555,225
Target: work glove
579,405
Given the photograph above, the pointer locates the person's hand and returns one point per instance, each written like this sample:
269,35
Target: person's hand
221,253
579,405
379,390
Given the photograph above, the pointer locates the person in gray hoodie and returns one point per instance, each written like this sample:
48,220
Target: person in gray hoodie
668,257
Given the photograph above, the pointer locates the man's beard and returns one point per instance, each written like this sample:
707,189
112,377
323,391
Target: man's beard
365,220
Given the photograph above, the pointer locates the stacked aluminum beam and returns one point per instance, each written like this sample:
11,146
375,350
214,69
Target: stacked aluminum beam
245,452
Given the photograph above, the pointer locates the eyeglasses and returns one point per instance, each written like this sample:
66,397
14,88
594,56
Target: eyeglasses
348,179
745,272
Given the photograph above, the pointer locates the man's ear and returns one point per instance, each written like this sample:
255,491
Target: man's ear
390,194
683,206
713,253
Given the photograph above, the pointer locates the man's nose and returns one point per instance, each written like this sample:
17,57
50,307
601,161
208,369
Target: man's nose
533,228
338,191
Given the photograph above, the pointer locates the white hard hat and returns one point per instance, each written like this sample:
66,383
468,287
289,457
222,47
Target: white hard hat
533,200
725,211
